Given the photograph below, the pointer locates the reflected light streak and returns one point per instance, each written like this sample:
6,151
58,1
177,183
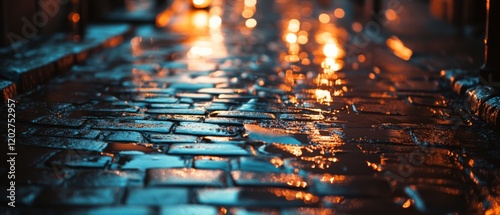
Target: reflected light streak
200,51
323,96
398,48
407,204
200,19
215,22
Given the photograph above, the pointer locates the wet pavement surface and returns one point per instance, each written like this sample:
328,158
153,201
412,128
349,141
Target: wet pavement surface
259,108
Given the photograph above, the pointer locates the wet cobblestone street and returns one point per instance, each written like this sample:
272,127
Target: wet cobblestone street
268,107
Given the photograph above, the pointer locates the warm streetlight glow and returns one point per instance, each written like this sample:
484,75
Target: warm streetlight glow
339,13
215,21
247,13
302,39
291,38
250,3
251,23
398,48
75,17
391,15
294,25
324,18
201,3
323,96
332,50
200,19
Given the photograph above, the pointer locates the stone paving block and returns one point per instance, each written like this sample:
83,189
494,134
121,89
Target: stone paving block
191,86
453,75
195,96
211,162
437,102
125,136
240,97
79,196
9,90
478,96
254,211
80,159
65,143
226,121
491,112
180,118
136,125
437,199
106,115
37,155
25,194
242,114
51,176
94,210
461,86
255,197
214,106
186,177
104,178
217,91
272,179
157,196
207,149
275,135
259,164
155,90
169,106
54,120
225,140
172,138
190,210
73,133
420,86
151,161
117,109
306,117
182,111
206,129
161,100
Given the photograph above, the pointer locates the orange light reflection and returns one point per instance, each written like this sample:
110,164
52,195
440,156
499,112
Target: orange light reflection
398,48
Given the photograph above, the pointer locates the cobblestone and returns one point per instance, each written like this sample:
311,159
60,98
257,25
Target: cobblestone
157,196
202,118
186,177
207,149
80,196
256,197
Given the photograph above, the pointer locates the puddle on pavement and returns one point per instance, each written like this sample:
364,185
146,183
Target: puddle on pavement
132,148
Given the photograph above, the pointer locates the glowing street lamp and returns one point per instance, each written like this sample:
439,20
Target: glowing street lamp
201,4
